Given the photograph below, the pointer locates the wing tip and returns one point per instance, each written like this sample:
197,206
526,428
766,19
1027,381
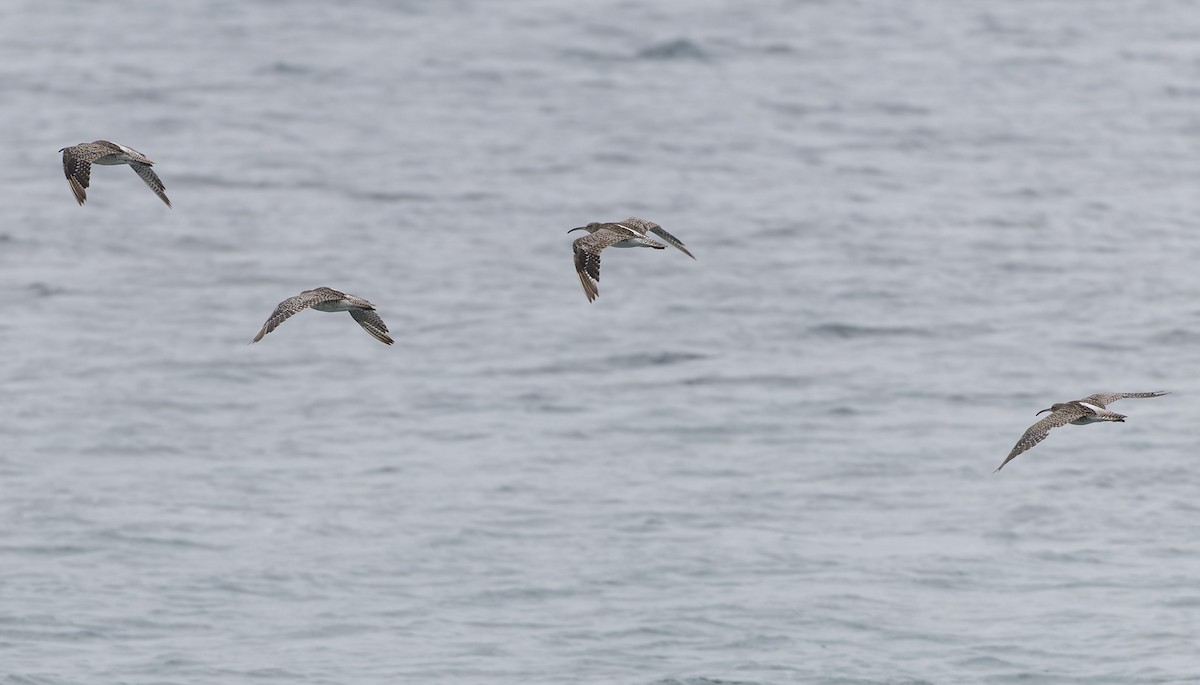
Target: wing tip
77,190
379,334
590,290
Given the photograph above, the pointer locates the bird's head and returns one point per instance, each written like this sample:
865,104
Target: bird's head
1053,408
590,228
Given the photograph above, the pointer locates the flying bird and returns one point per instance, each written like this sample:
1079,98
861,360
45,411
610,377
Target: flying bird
628,233
1091,409
78,161
328,300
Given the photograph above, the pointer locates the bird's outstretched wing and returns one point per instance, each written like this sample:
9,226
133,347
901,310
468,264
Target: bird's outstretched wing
294,305
587,258
77,166
1038,431
660,232
1103,399
371,323
147,174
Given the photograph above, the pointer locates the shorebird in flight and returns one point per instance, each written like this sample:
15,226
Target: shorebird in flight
328,300
78,161
1090,409
628,233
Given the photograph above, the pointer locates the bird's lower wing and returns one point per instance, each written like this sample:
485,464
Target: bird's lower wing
587,266
371,323
587,258
286,310
1038,432
147,174
79,173
590,289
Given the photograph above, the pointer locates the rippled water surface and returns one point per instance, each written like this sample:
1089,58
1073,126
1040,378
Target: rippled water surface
916,224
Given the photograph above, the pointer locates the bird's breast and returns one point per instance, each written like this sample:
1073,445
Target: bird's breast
332,306
629,243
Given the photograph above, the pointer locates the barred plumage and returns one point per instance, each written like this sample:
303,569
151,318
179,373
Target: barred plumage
628,233
78,161
328,300
1090,409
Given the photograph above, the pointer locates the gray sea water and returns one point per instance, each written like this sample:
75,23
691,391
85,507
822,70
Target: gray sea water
916,224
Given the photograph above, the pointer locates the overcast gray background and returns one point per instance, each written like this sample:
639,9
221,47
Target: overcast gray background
916,225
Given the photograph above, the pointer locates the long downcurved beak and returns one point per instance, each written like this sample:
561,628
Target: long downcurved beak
1043,411
577,228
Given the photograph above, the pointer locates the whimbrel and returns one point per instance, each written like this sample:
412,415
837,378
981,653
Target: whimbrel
1090,409
78,161
628,233
328,300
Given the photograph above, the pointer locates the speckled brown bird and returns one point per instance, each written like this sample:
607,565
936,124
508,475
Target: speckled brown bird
628,233
1091,409
328,300
78,161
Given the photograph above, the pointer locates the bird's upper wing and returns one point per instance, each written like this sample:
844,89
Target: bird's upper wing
289,308
77,166
371,323
1103,399
660,232
587,257
147,174
1038,431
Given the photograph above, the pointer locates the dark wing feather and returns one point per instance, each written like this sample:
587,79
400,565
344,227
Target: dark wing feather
660,232
289,308
371,323
77,166
1038,431
147,174
587,257
1103,399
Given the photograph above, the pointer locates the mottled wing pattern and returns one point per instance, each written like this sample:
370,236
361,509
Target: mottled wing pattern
371,323
587,257
325,294
1038,431
147,174
660,232
1103,399
77,165
294,305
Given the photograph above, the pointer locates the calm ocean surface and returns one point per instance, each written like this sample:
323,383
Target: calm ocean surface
916,224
